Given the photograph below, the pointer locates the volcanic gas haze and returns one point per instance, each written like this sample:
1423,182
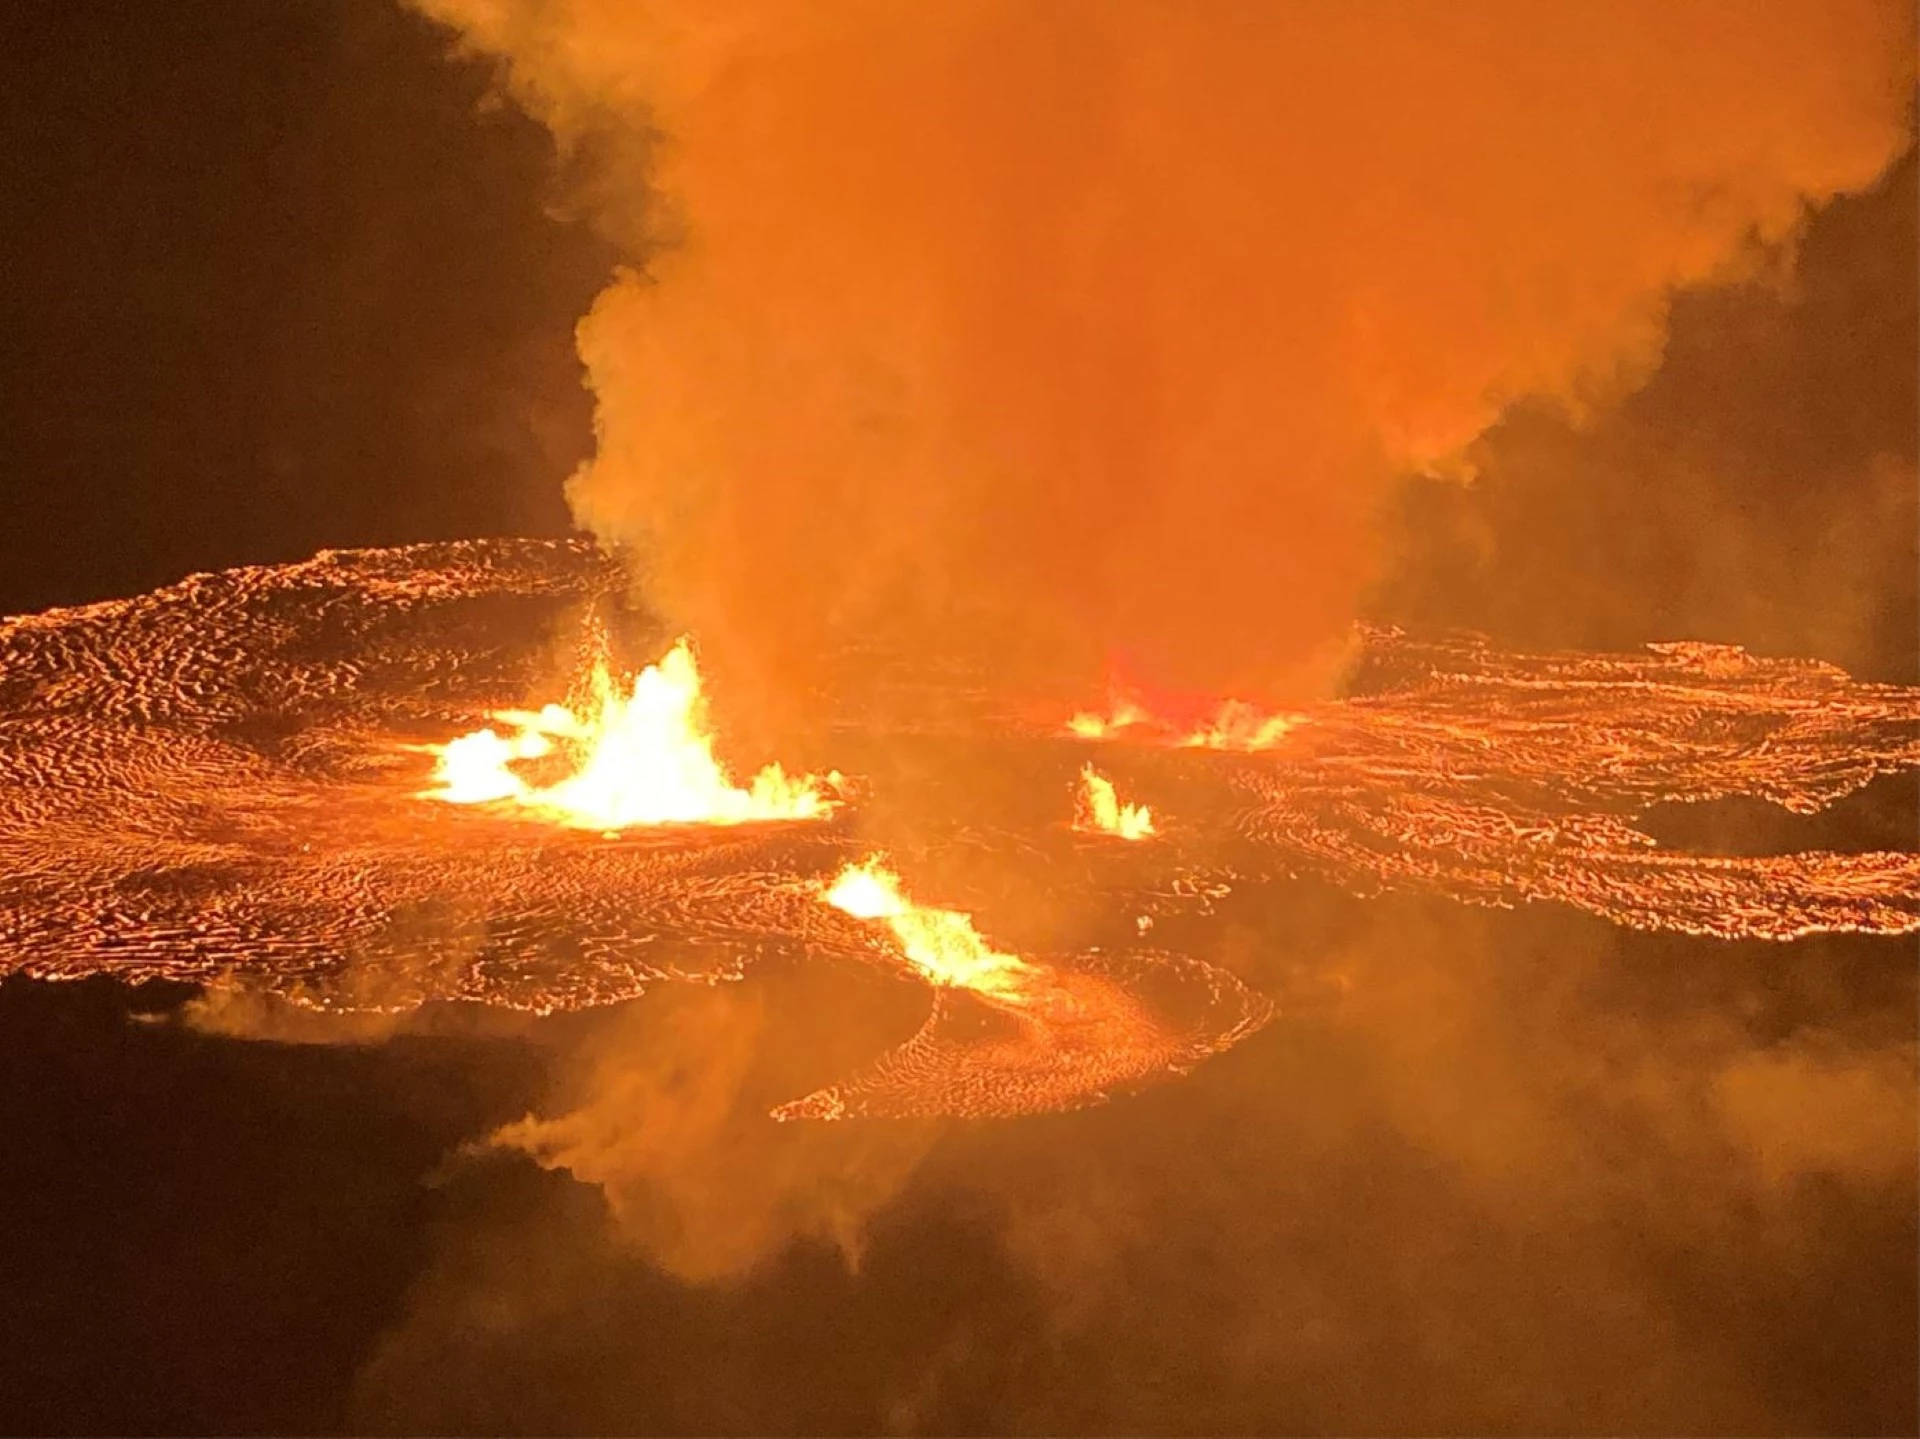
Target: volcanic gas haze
1054,331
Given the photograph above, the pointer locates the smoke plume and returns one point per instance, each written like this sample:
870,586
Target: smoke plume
1064,334
1530,1175
668,1115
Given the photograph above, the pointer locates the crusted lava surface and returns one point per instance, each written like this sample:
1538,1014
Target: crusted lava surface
221,782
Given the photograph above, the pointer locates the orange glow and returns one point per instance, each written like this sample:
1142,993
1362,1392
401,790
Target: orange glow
1234,725
1101,810
1238,725
641,756
1123,714
941,943
1153,357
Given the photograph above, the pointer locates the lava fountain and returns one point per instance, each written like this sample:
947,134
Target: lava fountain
941,944
640,755
1100,810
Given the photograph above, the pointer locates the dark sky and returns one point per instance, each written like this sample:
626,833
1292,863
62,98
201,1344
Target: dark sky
273,283
275,280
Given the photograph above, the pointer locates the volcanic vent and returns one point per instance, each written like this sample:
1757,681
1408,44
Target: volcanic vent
324,780
321,780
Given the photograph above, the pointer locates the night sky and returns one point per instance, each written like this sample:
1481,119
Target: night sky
280,277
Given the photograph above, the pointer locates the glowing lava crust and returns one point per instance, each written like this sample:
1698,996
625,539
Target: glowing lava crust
322,780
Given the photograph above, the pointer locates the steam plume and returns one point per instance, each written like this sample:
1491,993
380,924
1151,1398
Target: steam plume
670,1120
1069,331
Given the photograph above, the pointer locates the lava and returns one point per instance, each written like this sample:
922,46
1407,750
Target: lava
1498,778
219,783
941,944
1230,725
1238,725
1123,713
642,756
1100,810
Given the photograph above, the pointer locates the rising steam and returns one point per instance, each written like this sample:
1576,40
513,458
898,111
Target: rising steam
1055,332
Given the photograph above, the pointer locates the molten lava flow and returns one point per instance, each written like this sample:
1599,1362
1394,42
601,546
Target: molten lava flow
1101,811
1235,725
636,758
941,943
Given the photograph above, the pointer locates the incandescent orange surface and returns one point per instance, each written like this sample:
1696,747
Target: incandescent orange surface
642,755
1011,1035
941,944
218,783
1232,725
1100,810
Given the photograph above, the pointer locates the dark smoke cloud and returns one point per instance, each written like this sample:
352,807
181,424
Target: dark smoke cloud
1531,1175
667,1112
1760,490
1080,332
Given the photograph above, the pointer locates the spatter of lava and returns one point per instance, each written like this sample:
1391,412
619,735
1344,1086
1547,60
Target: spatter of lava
220,782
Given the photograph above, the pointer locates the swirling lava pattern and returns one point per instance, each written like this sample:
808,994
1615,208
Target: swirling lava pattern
1098,1024
1497,778
219,782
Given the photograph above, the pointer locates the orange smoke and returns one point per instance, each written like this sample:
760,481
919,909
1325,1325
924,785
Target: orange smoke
1055,330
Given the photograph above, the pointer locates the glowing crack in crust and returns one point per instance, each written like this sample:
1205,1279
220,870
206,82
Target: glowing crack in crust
1497,778
220,782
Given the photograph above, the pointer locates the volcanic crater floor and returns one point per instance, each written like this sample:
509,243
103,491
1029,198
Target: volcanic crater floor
221,782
